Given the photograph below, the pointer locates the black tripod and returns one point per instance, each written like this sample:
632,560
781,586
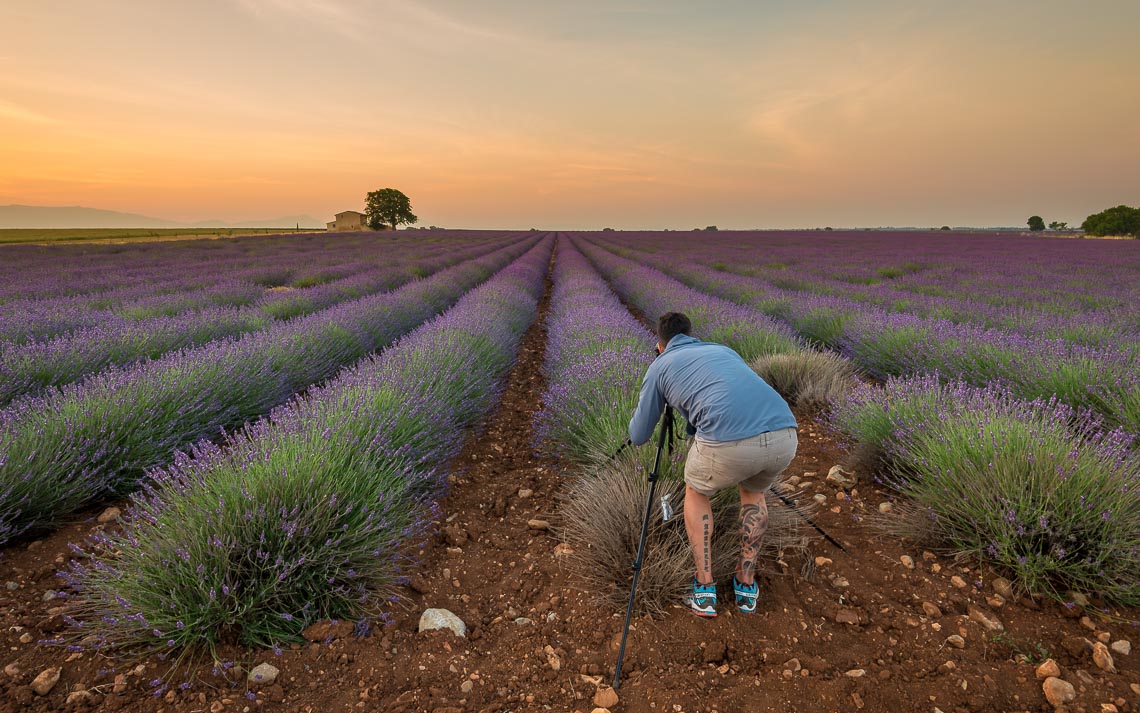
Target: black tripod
666,436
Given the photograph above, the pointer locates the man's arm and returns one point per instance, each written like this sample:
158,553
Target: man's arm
649,408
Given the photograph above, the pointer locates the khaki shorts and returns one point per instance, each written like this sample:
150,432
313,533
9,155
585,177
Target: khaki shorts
752,463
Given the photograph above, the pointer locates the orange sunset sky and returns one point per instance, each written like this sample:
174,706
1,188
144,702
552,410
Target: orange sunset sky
521,113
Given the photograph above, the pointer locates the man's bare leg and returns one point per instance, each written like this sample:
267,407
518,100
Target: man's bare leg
699,525
753,525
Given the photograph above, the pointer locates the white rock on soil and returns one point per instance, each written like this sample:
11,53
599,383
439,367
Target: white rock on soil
12,671
46,681
466,686
840,476
989,621
907,561
1122,647
956,641
885,507
1048,669
606,697
1002,586
1102,658
819,498
433,619
263,674
525,493
856,673
109,515
1058,692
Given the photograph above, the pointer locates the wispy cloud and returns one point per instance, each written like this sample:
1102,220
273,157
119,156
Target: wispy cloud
16,112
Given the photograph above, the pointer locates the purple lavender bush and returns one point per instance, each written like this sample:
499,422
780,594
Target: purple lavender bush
1036,489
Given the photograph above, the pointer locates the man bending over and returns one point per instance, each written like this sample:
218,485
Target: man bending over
745,437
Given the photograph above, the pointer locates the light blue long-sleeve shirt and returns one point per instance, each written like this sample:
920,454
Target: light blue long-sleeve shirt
713,389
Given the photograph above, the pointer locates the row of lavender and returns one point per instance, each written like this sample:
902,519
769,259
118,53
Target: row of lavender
179,286
1105,379
1084,292
85,441
32,367
310,514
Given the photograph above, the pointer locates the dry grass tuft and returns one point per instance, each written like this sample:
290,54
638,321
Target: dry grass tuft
807,379
601,518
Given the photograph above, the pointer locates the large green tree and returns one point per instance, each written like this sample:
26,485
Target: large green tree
388,206
1121,220
1036,222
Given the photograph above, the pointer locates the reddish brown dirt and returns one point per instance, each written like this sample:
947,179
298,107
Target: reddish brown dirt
488,566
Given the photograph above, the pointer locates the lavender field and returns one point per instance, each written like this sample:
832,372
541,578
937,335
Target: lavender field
281,411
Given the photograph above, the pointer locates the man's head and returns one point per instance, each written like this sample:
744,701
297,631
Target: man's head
670,325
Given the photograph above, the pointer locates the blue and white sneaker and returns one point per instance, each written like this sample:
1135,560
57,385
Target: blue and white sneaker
745,595
703,599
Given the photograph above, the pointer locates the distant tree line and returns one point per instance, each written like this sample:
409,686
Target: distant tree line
1121,220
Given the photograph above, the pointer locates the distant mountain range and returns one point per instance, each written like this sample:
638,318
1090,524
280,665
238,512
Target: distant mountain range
32,216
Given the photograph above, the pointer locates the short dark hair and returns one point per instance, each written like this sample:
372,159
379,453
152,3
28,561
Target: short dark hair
670,325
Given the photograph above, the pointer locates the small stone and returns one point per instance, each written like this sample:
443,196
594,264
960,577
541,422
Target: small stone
907,561
1058,692
525,493
77,698
263,674
847,616
606,697
885,507
1122,647
48,596
958,582
538,524
109,515
552,658
433,619
989,621
46,681
997,601
838,475
931,609
1102,658
11,586
1077,598
1048,669
120,684
12,671
1135,688
1088,623
600,710
1104,637
1076,646
26,638
562,549
523,621
822,561
793,665
856,673
956,641
466,686
1109,708
1002,586
818,497
840,582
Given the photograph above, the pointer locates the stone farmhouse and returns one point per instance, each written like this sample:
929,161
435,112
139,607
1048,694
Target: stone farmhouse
347,221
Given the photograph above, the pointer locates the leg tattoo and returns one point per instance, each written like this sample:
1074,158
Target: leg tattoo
753,525
706,544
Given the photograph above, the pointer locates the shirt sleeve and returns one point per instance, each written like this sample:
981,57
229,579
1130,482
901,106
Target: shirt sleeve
649,408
